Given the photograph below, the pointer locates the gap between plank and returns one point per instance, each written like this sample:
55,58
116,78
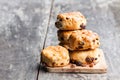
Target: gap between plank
46,34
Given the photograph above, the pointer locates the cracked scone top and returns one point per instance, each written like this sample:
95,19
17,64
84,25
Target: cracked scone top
55,56
79,39
70,21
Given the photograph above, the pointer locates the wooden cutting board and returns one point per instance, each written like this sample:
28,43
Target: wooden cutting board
100,67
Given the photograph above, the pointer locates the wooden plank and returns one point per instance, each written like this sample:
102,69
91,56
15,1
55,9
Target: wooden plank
103,18
23,24
100,67
109,38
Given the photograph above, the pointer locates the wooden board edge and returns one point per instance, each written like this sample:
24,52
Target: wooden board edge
89,70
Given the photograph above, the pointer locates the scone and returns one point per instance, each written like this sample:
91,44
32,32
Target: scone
55,56
87,57
79,39
63,36
70,21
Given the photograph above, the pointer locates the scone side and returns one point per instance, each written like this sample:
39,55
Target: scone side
55,56
89,57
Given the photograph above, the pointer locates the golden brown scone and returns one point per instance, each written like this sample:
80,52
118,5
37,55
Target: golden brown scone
55,56
70,21
79,39
87,57
63,36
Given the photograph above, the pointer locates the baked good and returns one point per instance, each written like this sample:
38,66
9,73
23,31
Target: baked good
70,21
63,36
79,39
86,57
55,56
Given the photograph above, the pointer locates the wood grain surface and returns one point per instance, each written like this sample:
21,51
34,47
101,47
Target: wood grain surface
103,18
23,25
27,26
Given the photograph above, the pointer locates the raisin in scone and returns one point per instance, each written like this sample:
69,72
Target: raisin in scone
86,58
70,21
80,40
55,56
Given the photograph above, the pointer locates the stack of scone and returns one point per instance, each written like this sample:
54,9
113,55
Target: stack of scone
77,45
82,44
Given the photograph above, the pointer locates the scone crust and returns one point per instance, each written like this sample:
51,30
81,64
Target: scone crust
70,21
86,57
79,39
55,56
63,36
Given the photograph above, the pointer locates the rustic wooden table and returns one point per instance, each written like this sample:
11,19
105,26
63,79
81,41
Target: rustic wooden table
27,26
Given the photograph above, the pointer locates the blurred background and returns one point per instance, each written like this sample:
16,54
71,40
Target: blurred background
26,26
